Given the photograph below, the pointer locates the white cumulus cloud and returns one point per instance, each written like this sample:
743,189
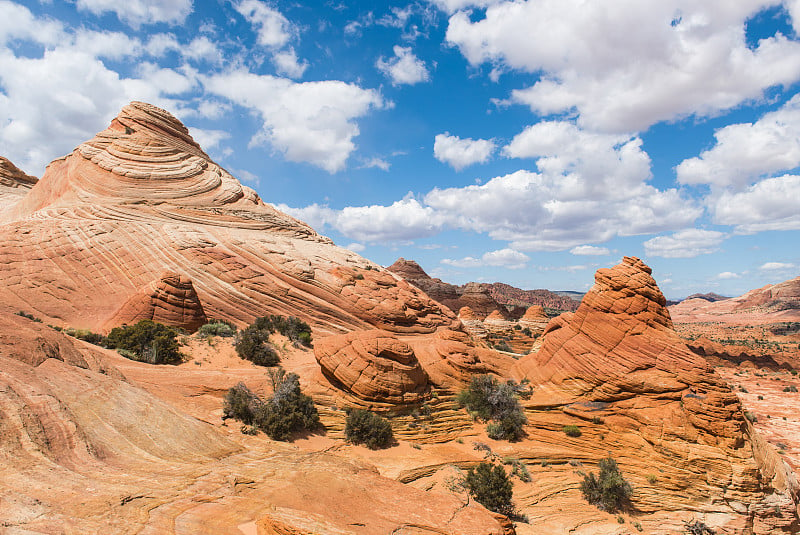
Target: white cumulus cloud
273,29
404,68
138,12
460,153
728,275
310,122
777,266
747,151
685,244
286,62
626,65
505,258
589,250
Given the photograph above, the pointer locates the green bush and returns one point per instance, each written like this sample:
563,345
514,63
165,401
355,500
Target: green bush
88,336
489,399
217,328
572,430
240,403
609,491
148,341
253,344
292,328
491,487
287,411
365,427
791,388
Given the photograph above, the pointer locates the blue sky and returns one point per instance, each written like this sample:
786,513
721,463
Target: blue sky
528,142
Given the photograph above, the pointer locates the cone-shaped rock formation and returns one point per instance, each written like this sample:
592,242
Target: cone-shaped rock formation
171,300
142,198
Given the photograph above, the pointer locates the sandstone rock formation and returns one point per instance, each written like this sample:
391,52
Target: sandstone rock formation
472,294
373,366
618,359
506,294
535,319
170,299
14,184
142,198
770,304
85,450
733,355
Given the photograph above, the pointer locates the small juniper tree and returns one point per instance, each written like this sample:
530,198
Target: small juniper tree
491,487
608,491
365,427
488,399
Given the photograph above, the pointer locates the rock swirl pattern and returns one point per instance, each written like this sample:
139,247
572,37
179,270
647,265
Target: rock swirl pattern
142,198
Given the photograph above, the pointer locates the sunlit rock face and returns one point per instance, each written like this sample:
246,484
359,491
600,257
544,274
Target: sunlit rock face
142,198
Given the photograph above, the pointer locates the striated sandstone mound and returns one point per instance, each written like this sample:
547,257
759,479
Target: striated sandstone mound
171,299
535,319
14,184
373,366
142,198
617,358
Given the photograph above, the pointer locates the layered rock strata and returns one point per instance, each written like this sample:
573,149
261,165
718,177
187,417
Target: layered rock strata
617,359
171,299
142,198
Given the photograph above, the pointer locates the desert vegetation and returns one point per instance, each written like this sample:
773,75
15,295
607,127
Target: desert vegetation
253,343
216,327
498,403
365,427
147,341
609,491
287,411
491,487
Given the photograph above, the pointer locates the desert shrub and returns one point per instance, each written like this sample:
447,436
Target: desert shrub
489,399
750,416
217,328
240,403
292,328
88,336
790,388
597,420
287,411
29,316
609,491
502,345
148,341
491,487
253,344
572,430
526,331
365,427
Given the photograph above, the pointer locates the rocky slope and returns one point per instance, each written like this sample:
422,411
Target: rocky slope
83,449
771,304
617,359
509,295
141,199
14,184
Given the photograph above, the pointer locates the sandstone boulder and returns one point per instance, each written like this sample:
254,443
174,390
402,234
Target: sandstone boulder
535,319
373,366
171,299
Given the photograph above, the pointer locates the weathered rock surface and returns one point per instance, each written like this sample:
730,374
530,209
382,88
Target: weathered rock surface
618,359
505,294
84,450
733,355
535,319
771,304
171,299
14,184
373,366
142,198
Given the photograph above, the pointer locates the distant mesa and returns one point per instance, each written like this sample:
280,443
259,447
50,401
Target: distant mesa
711,297
14,184
771,304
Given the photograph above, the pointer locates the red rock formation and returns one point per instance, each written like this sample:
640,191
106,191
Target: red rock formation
770,304
170,299
506,294
535,319
14,184
142,198
719,354
373,366
617,356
